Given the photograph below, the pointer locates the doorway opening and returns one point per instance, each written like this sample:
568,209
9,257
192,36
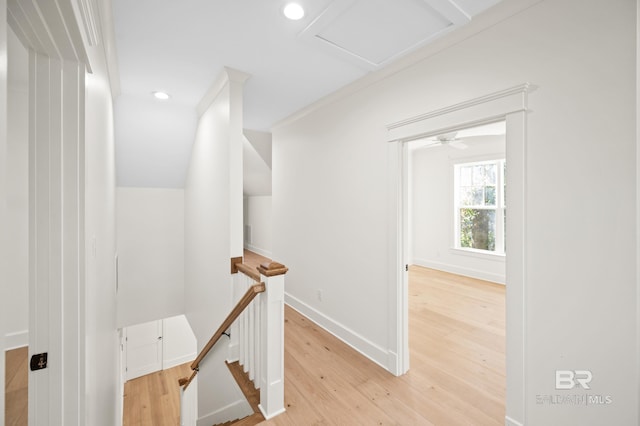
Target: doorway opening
457,255
510,106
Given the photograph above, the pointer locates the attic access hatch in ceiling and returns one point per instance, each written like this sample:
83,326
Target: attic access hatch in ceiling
372,33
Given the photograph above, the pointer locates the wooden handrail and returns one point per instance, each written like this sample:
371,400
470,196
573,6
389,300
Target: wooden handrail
253,273
235,313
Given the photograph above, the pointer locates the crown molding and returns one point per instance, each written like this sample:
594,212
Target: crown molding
88,18
228,75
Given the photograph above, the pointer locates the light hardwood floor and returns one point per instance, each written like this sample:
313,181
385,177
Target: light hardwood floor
16,387
154,399
457,363
456,377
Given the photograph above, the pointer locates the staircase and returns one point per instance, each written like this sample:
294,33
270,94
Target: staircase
250,392
256,340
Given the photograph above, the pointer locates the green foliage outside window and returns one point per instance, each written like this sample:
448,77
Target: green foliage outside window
477,229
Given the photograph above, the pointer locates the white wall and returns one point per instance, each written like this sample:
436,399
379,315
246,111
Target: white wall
211,240
150,247
178,342
431,215
261,142
152,137
102,343
17,312
102,340
330,200
101,357
257,216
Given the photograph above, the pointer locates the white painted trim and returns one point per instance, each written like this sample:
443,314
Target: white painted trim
16,340
479,254
258,250
233,411
267,416
490,108
89,23
638,190
368,349
459,270
170,363
508,421
486,109
226,76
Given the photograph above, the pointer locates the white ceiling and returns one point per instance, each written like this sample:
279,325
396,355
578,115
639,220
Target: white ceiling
182,46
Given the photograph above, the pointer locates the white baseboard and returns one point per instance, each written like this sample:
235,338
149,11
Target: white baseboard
370,350
170,363
16,340
261,252
267,417
508,421
460,270
237,410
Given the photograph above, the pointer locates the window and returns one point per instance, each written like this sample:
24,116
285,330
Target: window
479,209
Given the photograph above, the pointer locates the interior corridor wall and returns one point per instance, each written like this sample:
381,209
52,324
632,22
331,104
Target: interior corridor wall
150,254
102,356
209,240
258,224
101,360
330,186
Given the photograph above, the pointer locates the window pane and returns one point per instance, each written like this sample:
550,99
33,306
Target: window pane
476,196
478,229
478,175
465,176
490,196
490,174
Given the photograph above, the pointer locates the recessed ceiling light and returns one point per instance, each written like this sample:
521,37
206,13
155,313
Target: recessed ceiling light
161,95
293,11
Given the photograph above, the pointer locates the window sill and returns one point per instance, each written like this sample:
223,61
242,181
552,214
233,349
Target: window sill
479,254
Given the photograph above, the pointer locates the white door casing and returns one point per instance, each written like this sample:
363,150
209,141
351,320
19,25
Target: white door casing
509,105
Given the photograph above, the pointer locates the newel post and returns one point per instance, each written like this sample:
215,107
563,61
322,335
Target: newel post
272,322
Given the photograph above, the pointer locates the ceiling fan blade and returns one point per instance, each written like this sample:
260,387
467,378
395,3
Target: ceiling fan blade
458,145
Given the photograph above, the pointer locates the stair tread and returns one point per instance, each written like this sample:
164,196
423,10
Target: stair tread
251,420
246,385
250,392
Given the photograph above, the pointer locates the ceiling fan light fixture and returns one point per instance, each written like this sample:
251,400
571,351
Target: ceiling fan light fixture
293,11
163,96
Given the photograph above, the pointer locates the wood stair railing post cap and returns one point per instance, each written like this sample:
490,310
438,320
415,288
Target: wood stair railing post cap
271,269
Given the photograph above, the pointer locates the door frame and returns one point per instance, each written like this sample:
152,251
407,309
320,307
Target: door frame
58,61
508,105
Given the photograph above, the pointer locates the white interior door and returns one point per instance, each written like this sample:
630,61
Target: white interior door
144,349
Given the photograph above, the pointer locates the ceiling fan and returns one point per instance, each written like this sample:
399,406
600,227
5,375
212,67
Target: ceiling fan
448,139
